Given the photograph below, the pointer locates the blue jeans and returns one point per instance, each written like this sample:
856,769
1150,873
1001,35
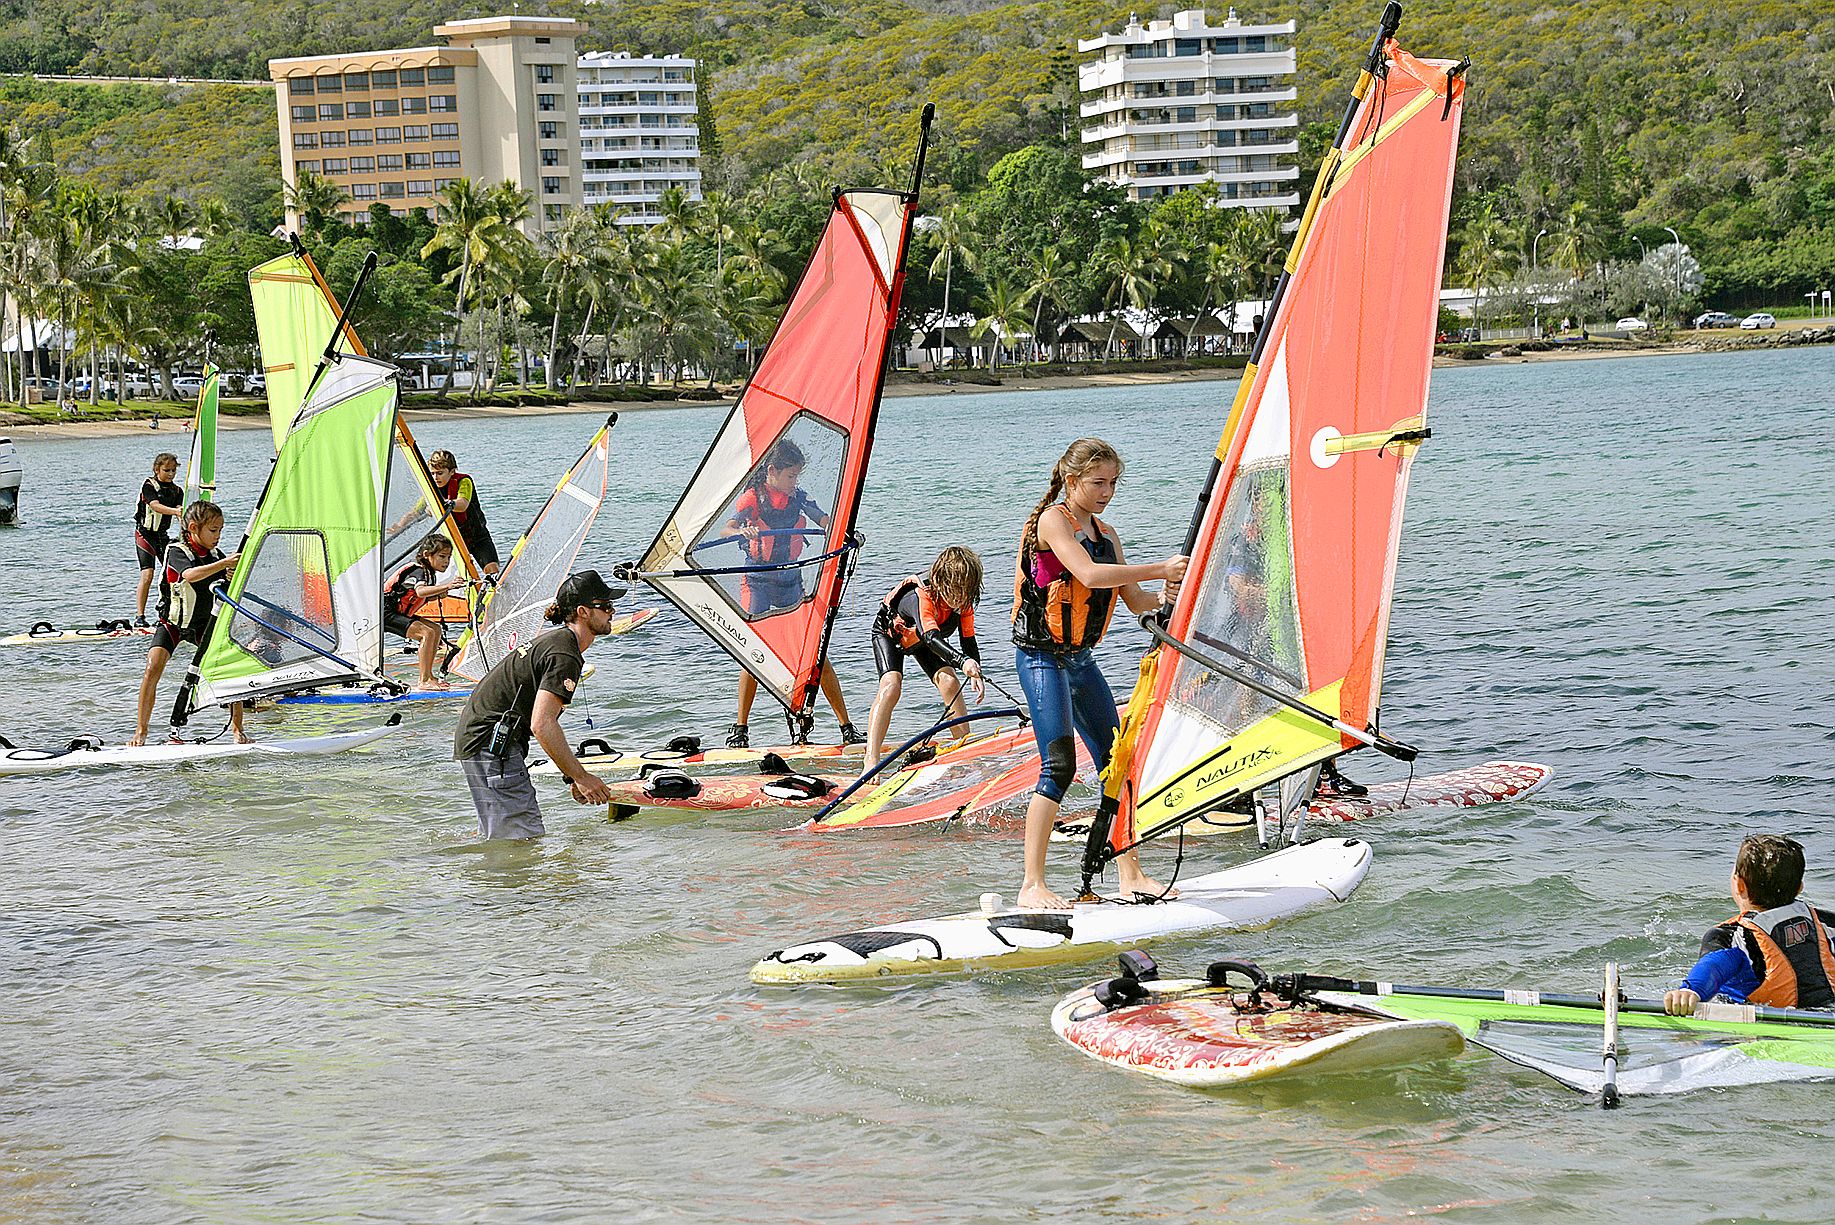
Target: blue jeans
1065,692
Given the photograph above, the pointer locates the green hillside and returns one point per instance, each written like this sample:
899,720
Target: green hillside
1620,115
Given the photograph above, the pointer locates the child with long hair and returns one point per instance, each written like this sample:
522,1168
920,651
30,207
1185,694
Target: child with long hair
412,588
914,622
186,605
1070,572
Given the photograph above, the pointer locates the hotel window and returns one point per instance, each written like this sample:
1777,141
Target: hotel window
1258,43
331,110
306,167
551,187
546,102
362,165
389,161
551,157
442,184
363,191
357,110
548,131
383,79
445,131
414,131
305,140
446,158
388,106
420,161
303,114
357,82
360,136
544,73
414,106
440,76
443,102
388,136
1224,46
299,86
334,140
420,187
393,191
336,165
331,85
415,77
553,213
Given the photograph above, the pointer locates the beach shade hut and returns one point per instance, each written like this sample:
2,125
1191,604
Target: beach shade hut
1091,335
1193,335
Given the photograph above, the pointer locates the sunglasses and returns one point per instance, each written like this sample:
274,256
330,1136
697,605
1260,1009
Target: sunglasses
601,605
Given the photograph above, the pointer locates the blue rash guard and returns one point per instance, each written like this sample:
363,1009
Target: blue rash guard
1723,973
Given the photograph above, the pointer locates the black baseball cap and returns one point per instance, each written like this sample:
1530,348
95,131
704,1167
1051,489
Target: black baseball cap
586,587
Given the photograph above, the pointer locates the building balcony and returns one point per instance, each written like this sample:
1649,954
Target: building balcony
637,108
1128,130
1092,77
1209,97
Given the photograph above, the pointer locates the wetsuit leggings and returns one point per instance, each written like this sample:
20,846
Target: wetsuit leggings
1066,692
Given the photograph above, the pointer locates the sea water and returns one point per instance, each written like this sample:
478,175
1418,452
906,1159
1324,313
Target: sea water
291,991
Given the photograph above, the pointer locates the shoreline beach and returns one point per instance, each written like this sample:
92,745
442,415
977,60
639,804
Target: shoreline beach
894,390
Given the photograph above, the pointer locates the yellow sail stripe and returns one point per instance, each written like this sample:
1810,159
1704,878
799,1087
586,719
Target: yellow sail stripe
1122,759
1272,747
1355,157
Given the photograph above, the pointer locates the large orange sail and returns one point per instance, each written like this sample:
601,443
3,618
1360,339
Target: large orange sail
1272,659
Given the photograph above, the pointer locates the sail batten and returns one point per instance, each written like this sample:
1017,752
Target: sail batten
1294,548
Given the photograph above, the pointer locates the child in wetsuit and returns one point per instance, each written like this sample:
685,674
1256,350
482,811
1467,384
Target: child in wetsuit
161,502
914,622
411,589
1776,951
774,515
186,605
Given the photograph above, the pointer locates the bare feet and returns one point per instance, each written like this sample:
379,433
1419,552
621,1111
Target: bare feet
136,740
1140,882
434,686
1040,897
243,738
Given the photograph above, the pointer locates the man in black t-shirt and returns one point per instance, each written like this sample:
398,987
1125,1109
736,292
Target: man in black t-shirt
522,697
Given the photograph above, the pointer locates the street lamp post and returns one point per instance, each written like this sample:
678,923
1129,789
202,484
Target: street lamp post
1535,287
1675,275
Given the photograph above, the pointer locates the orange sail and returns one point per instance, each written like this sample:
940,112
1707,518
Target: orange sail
1272,659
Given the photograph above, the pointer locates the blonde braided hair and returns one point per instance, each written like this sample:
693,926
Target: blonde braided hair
1078,458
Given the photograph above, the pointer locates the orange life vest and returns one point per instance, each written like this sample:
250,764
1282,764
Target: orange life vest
401,594
1796,964
934,616
1063,614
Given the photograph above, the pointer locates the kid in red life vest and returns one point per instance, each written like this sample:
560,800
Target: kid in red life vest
1776,951
774,515
412,588
914,622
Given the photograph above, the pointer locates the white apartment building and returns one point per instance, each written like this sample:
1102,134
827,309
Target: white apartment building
638,136
1175,103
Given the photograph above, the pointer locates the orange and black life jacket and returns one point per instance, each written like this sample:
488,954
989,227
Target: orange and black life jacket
186,606
1052,609
401,594
1790,951
912,612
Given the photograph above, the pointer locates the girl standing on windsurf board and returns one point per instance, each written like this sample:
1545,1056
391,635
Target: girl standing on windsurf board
186,605
161,503
1069,574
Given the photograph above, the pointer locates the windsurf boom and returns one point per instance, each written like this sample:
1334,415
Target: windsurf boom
770,602
1271,662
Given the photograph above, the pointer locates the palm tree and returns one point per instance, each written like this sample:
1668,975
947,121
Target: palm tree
1482,240
1131,273
1005,314
571,252
1051,282
950,228
315,200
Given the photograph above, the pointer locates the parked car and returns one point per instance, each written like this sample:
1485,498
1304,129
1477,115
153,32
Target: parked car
187,386
79,387
1755,321
1716,319
138,385
1631,323
255,384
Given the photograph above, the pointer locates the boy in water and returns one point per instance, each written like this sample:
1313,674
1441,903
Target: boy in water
161,502
186,605
1776,951
410,589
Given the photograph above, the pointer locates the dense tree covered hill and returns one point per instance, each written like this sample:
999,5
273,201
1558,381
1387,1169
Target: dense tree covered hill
1614,117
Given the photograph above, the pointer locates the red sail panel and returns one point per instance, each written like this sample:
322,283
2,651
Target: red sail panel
781,484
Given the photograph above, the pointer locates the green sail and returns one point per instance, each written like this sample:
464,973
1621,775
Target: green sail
294,319
304,604
201,472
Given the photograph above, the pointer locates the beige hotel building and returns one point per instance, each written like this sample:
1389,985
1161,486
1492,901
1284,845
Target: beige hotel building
497,101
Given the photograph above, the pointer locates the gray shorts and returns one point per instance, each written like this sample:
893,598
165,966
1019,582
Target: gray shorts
504,797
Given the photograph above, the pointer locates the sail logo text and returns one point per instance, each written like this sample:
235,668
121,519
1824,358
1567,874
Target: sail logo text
1254,758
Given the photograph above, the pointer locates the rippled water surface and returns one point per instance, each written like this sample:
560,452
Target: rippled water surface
290,992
